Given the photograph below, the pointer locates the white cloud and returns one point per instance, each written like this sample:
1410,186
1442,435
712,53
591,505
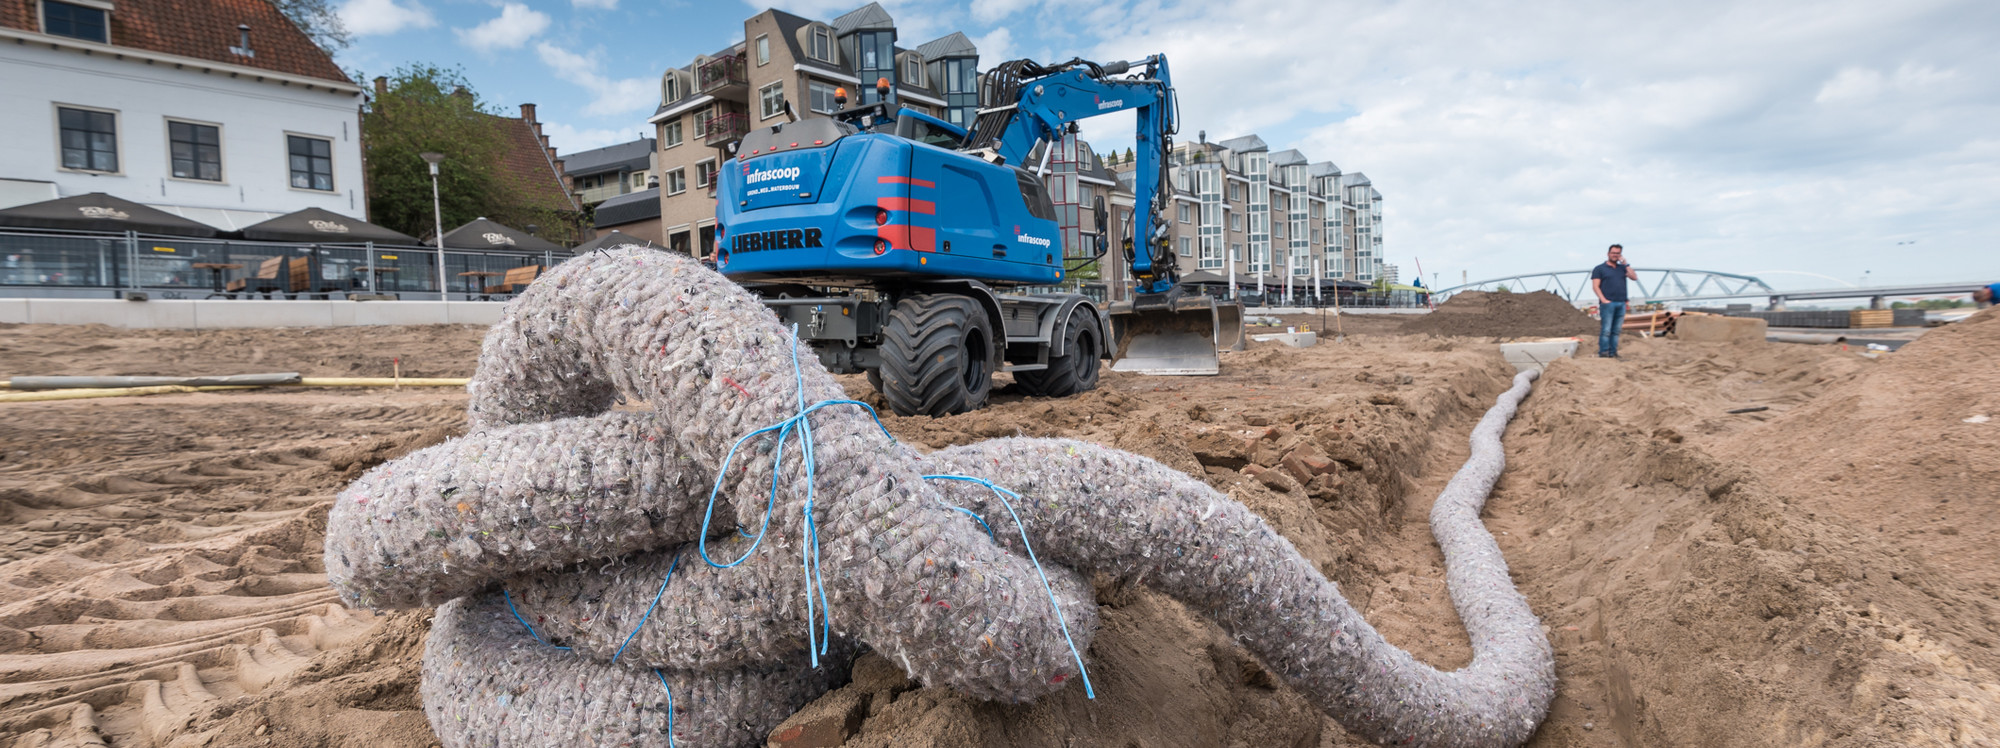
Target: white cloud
367,17
1508,138
609,96
995,46
515,25
595,4
569,139
988,11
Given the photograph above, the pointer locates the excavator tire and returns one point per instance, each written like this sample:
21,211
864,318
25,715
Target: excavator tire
1076,370
937,356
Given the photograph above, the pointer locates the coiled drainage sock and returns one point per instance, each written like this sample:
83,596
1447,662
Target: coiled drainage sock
927,588
488,683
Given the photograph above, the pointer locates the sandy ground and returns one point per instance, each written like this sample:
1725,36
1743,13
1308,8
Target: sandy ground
1823,572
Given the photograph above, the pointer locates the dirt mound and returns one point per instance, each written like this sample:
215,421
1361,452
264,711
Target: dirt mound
1503,315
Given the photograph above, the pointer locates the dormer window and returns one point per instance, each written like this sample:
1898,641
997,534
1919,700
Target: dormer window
913,70
89,22
822,44
670,88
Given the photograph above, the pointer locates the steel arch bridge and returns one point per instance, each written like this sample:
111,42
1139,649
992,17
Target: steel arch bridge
1654,284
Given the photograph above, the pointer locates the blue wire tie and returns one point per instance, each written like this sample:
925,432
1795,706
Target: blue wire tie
1002,494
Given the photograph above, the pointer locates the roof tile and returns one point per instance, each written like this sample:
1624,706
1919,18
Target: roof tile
204,30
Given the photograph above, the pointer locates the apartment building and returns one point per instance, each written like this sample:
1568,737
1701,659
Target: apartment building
600,174
718,98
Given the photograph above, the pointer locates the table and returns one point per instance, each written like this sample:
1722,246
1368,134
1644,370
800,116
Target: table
215,274
476,280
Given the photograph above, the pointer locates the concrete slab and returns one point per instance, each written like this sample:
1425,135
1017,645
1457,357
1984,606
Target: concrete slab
14,311
1705,328
1305,339
1537,354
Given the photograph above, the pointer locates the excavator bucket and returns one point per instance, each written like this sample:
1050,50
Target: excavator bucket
1176,338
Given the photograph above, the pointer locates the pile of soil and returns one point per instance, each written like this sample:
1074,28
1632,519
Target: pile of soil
1480,314
372,351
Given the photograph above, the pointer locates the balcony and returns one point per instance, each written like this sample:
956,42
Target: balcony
723,78
725,127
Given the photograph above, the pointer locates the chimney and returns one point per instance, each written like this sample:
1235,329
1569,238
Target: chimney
528,113
381,87
242,48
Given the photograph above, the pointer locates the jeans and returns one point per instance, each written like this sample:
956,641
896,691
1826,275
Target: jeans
1610,321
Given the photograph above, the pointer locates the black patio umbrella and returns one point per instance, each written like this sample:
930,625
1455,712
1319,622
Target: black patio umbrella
485,234
100,212
611,238
318,225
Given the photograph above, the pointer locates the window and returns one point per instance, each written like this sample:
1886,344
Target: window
670,88
701,120
913,70
771,100
959,75
956,116
822,44
638,180
1187,247
75,21
677,181
705,173
1236,192
1236,252
312,162
763,49
89,139
672,135
822,97
1236,222
1184,213
196,150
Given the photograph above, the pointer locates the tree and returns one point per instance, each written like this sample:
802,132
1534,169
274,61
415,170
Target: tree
1129,155
1502,288
317,20
427,108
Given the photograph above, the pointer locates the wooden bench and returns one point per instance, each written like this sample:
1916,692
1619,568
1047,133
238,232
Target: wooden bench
516,279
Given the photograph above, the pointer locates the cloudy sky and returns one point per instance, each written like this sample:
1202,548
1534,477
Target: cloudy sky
1815,143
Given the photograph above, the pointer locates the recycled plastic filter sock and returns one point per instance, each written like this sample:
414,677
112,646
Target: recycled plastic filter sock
748,614
903,572
1103,510
447,520
488,683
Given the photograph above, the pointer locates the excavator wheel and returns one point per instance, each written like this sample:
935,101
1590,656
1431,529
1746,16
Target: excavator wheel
1077,369
937,356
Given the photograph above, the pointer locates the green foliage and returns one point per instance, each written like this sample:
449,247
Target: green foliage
1129,155
428,108
317,20
1502,288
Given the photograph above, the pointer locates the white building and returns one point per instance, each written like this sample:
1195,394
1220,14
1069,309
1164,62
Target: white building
221,112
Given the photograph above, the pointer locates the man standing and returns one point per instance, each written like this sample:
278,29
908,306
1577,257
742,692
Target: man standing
1608,281
1988,296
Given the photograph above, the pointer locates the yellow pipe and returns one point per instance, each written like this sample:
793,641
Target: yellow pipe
46,395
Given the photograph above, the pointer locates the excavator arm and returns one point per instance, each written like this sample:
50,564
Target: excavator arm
1160,330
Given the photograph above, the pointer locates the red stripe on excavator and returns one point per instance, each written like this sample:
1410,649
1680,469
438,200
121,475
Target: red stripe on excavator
902,236
925,207
906,180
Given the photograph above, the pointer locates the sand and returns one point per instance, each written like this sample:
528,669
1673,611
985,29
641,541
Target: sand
1820,573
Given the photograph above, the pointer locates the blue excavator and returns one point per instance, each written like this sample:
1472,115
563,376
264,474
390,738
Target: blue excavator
907,247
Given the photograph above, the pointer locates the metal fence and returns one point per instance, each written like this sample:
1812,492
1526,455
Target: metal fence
194,268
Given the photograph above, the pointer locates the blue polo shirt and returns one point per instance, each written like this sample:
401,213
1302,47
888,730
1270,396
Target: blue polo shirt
1612,280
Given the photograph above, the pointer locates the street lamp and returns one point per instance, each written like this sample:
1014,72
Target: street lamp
437,214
